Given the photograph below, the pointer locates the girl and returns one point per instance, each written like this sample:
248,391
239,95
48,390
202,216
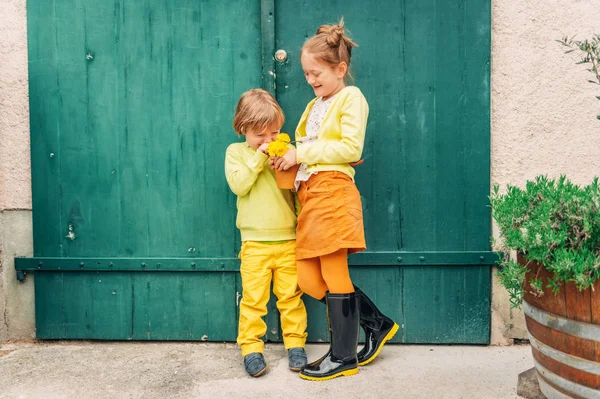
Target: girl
330,137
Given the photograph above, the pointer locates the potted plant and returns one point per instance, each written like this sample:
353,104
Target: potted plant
277,148
553,227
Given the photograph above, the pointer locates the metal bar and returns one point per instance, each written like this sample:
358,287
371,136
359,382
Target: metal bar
462,258
565,358
568,326
580,391
233,264
128,264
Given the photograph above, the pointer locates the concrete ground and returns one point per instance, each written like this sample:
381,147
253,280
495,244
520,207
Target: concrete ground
84,369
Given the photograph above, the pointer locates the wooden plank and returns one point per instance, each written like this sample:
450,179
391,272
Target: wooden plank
112,305
45,104
78,305
77,157
185,306
98,305
96,186
49,300
446,305
595,308
575,346
474,122
578,303
267,40
420,186
447,174
548,301
595,303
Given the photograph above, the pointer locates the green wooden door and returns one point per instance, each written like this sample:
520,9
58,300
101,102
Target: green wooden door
131,107
423,66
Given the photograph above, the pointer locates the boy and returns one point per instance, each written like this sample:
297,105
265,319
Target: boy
267,222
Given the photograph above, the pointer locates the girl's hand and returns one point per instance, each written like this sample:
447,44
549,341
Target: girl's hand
287,161
272,161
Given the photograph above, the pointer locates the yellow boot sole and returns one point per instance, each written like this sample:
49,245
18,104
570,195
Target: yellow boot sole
389,336
331,377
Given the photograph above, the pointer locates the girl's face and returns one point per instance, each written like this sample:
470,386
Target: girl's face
325,80
255,139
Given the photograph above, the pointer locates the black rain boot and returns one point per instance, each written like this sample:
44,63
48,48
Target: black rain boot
378,329
324,302
340,360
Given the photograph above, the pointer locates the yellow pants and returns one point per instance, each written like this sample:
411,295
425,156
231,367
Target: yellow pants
261,264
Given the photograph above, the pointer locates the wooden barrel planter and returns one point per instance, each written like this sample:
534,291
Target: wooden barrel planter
564,331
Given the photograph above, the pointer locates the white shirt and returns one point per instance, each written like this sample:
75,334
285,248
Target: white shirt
313,124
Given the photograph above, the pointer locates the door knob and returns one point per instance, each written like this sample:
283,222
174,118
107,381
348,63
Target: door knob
281,55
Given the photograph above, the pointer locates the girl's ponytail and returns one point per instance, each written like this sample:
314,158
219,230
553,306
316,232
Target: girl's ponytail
331,45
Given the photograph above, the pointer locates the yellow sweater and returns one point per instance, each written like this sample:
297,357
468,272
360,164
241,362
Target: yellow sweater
341,137
265,213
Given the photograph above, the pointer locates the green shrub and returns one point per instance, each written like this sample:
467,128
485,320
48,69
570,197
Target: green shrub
553,222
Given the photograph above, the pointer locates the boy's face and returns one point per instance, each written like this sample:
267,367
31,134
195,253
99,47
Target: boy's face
255,139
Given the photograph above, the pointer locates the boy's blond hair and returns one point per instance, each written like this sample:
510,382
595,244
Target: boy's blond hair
257,110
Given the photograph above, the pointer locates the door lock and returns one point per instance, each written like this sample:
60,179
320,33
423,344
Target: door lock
281,55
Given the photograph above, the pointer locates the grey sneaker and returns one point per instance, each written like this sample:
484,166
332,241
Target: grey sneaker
254,363
297,358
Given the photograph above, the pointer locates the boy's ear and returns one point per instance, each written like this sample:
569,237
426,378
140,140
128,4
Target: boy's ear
342,68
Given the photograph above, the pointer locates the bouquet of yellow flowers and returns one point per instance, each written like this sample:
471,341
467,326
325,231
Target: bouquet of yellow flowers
279,146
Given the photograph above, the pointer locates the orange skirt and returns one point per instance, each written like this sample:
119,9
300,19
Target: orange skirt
330,216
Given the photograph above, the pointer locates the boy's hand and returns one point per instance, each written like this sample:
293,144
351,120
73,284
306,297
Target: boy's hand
272,161
263,148
287,161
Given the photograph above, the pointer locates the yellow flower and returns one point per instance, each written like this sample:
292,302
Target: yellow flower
277,148
283,137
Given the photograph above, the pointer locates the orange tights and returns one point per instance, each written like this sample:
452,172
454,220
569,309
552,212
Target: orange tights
325,273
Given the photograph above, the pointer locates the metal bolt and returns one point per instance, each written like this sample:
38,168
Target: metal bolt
158,266
481,258
281,55
81,264
400,259
110,264
143,264
194,264
40,264
421,258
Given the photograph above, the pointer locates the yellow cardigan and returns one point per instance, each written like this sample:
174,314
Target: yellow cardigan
341,137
